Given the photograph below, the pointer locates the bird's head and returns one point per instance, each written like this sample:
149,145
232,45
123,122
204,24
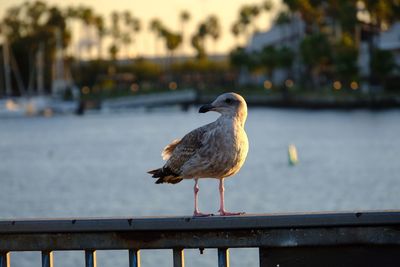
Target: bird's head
228,104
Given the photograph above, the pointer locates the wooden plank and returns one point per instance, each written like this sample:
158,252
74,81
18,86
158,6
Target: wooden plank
256,221
134,257
346,256
223,257
178,257
293,237
47,258
4,259
90,258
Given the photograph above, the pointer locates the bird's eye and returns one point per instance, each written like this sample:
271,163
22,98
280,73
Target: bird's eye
228,101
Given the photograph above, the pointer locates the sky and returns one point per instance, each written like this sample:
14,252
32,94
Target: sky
168,12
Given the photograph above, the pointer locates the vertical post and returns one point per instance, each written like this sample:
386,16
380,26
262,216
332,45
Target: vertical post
40,69
134,258
263,255
4,259
90,258
7,70
47,258
223,257
179,257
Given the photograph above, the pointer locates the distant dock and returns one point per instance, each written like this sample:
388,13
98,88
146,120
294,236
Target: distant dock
182,98
309,239
189,97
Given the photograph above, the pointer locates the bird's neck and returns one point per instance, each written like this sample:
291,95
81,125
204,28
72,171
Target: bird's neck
237,119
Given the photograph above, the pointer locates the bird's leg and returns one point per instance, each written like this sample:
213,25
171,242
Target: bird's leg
196,208
222,210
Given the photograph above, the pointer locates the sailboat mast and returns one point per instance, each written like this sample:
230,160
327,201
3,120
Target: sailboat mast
59,83
39,67
7,69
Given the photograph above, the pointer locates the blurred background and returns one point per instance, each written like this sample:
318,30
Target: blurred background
91,91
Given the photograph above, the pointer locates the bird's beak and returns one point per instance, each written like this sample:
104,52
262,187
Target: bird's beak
206,108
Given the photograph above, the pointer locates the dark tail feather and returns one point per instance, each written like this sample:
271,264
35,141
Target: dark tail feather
165,175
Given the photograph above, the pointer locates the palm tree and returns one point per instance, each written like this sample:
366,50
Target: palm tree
125,36
267,6
237,30
245,20
184,18
131,26
101,33
255,12
214,29
247,17
198,44
87,16
172,41
156,27
115,34
135,27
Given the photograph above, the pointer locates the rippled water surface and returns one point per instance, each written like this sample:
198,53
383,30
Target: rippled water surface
96,165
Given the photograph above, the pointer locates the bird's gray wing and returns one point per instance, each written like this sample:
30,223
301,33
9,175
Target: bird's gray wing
185,149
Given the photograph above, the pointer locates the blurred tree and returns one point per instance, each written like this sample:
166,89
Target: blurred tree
198,40
236,31
115,34
184,19
310,10
269,59
126,38
267,6
240,59
146,70
132,27
209,28
113,50
285,58
136,27
247,18
25,27
101,33
345,59
213,29
382,12
156,27
283,17
172,41
382,64
87,16
198,45
316,54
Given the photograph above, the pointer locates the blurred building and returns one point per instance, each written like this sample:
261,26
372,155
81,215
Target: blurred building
390,40
288,34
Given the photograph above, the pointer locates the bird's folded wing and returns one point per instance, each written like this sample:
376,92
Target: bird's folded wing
186,148
167,151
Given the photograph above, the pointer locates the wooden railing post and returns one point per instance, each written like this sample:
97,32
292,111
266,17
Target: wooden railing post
90,258
134,258
4,259
179,257
223,257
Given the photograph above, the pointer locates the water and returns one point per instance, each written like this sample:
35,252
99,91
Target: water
96,165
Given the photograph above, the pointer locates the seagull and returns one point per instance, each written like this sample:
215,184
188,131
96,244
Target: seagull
215,150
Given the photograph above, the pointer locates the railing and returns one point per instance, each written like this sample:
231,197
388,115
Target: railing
314,239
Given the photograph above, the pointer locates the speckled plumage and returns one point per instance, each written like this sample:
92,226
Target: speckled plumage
215,150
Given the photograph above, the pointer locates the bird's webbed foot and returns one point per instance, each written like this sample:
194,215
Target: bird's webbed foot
227,213
200,214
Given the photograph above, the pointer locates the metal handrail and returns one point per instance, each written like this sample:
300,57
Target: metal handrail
178,233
